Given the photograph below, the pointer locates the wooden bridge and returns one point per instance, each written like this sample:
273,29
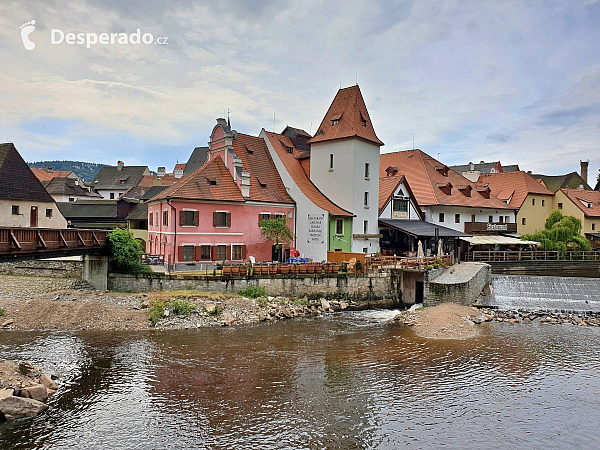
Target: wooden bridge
31,243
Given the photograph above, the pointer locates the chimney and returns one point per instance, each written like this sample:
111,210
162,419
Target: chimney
120,165
471,166
245,187
584,169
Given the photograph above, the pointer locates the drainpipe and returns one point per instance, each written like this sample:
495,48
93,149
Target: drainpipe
174,229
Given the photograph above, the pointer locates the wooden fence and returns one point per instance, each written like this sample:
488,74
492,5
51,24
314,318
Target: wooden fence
19,241
341,257
532,255
375,263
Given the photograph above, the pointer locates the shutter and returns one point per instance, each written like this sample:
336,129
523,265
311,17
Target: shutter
180,253
228,250
243,252
228,220
213,253
196,218
182,218
197,253
214,219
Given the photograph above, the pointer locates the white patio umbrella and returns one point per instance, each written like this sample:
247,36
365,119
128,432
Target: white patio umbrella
420,253
440,249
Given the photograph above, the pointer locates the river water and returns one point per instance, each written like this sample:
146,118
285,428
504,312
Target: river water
346,380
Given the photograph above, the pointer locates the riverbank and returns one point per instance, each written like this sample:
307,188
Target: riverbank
444,321
108,310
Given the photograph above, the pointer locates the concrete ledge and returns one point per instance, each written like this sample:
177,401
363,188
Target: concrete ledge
462,283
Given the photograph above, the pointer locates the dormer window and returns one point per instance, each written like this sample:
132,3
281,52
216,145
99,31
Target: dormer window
484,191
335,120
363,120
250,152
466,190
212,182
263,186
443,170
391,171
445,188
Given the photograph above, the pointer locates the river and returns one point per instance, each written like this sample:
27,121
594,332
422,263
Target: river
345,380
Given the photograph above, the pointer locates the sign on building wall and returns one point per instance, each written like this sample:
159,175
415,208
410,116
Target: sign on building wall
497,227
316,227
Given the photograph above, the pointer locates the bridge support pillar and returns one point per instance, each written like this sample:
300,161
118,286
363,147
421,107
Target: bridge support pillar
95,271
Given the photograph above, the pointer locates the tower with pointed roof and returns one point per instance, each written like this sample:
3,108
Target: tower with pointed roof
344,164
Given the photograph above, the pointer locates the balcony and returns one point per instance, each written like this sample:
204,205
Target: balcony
490,227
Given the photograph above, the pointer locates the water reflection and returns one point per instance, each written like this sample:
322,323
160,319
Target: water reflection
348,380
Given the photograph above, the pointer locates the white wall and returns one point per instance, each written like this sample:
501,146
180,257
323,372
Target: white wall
105,193
346,184
481,215
8,219
65,198
412,210
304,207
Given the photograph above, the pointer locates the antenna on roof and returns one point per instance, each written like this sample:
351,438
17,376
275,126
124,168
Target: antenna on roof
273,122
413,141
438,156
228,121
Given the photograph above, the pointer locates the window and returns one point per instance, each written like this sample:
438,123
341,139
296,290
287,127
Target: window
523,221
15,210
112,195
543,202
221,252
263,185
593,226
122,181
400,205
365,226
533,201
279,216
166,217
151,219
339,226
472,218
221,219
236,252
205,253
365,250
456,218
189,218
49,213
441,217
491,219
331,161
501,219
366,170
335,122
367,199
507,219
264,216
188,252
71,199
560,206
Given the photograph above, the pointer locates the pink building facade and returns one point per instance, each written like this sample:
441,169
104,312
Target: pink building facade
213,214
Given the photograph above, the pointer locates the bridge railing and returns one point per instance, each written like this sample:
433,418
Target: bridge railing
21,240
531,255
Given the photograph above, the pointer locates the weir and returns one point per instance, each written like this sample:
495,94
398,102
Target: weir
533,293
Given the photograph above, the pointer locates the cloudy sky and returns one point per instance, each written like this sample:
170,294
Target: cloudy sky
480,80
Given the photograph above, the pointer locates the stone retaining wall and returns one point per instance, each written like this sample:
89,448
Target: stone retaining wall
44,268
463,284
19,286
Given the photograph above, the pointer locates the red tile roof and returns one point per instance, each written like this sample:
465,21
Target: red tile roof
348,107
387,187
425,174
198,185
283,146
45,175
512,185
591,198
256,159
180,166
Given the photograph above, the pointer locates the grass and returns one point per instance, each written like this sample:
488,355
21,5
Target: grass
262,301
187,294
157,311
2,312
215,312
253,292
301,301
181,306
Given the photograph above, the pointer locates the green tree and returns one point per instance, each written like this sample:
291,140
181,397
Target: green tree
126,251
276,231
560,233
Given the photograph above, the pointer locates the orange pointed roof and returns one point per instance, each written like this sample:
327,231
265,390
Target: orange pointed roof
49,174
387,187
512,186
288,154
591,208
346,117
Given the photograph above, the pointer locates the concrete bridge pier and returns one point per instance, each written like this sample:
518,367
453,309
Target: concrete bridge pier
95,271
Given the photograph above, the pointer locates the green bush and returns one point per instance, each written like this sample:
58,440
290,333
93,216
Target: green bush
157,311
126,251
253,292
262,301
181,306
2,312
215,312
560,233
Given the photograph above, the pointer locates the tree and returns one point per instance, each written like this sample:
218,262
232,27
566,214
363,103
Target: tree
560,233
276,231
126,251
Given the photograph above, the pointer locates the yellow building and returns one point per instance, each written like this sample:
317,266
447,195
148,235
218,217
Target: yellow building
521,190
582,204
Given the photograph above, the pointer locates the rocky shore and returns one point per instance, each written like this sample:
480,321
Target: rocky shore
24,390
547,317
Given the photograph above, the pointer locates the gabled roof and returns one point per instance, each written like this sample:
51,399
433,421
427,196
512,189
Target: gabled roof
387,187
196,159
591,208
101,209
482,167
17,181
256,159
555,182
48,174
180,166
212,181
283,146
110,177
426,179
348,107
298,131
67,186
139,212
513,186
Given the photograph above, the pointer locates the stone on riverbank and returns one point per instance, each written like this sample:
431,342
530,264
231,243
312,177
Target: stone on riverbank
14,407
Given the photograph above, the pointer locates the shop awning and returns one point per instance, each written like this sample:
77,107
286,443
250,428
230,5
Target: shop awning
496,240
420,228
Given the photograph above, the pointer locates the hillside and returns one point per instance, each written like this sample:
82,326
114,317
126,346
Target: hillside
85,170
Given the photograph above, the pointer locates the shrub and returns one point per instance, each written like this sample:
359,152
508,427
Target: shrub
253,292
560,233
2,312
181,306
215,312
126,251
262,301
157,311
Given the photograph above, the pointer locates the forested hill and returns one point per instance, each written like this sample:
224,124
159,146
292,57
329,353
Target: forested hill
85,170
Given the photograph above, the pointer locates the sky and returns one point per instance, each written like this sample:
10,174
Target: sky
479,80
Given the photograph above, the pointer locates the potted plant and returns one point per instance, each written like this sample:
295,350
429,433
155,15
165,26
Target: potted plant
327,267
294,268
226,270
284,269
335,268
264,269
302,269
310,268
235,269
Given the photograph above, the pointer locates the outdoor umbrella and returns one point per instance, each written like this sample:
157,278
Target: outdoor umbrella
420,253
440,249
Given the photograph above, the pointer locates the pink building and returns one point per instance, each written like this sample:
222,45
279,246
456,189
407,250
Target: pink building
213,214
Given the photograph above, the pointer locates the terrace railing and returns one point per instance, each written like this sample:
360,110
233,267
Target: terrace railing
27,241
377,263
532,255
